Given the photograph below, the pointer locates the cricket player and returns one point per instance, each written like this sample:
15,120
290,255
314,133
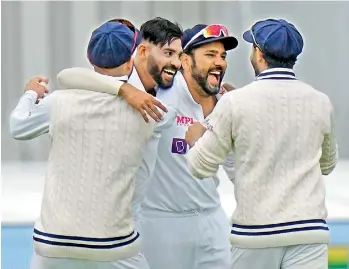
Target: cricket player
188,228
155,63
86,219
187,213
283,137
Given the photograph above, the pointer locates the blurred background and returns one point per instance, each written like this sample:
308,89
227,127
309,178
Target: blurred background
42,38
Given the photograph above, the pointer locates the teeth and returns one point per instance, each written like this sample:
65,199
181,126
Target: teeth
215,72
171,72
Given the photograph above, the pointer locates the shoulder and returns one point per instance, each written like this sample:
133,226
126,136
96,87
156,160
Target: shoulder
240,92
316,94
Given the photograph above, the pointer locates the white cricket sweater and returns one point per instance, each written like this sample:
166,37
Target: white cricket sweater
95,154
282,134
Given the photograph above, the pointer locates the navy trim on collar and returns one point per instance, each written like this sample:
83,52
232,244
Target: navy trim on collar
277,74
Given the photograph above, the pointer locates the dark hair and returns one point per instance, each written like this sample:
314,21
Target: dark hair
160,31
274,62
277,62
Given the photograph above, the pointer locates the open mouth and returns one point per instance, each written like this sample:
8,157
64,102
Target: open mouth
214,77
169,73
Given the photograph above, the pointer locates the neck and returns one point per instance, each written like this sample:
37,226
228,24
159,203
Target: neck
262,67
146,79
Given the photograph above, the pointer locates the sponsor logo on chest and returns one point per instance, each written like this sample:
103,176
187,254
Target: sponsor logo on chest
184,120
179,146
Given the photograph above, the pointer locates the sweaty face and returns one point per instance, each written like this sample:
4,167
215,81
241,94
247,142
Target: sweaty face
208,66
163,62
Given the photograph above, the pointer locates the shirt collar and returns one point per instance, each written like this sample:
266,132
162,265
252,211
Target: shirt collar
277,74
135,80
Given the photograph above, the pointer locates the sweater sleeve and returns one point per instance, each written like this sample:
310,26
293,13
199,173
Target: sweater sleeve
83,78
329,157
29,120
212,149
229,166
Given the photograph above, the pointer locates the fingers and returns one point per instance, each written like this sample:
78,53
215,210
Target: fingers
43,79
40,79
159,105
155,111
144,115
149,110
228,87
152,111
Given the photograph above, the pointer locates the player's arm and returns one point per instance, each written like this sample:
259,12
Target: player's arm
229,163
229,166
329,157
83,78
29,119
212,149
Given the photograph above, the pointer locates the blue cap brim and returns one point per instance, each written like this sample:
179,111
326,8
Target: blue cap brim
248,37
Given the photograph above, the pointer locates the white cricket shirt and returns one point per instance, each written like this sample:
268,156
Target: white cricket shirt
172,188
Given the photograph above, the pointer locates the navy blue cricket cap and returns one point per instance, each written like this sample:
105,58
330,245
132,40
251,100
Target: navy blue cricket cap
277,38
202,34
112,44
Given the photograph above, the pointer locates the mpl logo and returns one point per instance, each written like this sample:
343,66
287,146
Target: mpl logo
183,120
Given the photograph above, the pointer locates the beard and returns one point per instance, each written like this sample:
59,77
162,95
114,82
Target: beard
157,73
201,79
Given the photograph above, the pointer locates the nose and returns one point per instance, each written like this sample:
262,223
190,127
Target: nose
221,62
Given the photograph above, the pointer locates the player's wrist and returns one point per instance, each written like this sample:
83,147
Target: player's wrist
124,89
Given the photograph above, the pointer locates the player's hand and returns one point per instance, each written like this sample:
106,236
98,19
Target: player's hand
37,85
228,87
194,132
143,102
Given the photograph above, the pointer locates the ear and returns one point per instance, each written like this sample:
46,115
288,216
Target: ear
143,51
259,54
186,61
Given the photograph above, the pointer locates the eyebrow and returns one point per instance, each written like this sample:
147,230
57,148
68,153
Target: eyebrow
216,52
169,49
174,51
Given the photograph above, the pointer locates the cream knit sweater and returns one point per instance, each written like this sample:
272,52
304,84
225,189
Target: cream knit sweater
95,154
282,134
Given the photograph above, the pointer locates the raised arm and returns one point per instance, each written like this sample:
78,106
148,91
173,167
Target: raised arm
29,120
83,78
